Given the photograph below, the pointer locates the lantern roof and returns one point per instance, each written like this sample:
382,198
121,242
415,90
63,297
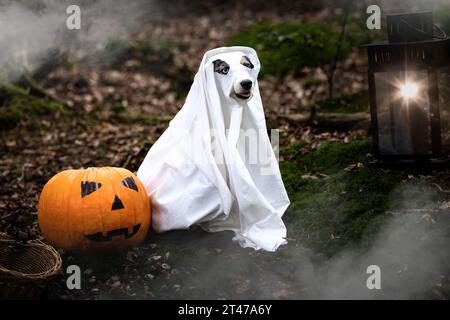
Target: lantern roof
400,44
414,28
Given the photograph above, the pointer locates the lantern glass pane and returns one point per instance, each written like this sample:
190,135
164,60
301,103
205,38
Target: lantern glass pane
444,104
403,112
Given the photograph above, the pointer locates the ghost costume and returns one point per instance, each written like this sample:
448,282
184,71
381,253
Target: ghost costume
214,166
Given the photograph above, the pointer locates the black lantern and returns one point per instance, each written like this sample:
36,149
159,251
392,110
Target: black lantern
409,91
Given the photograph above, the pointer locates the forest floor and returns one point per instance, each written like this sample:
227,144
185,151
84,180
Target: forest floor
344,215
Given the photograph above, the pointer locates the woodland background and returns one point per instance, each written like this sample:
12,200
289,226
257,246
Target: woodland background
102,95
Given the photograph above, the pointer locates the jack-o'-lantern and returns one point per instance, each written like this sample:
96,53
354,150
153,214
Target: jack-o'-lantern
94,209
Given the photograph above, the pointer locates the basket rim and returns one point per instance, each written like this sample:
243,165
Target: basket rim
4,272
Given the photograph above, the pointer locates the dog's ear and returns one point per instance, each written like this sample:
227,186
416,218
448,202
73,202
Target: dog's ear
245,61
221,66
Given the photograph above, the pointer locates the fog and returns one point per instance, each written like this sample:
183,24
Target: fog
411,250
32,29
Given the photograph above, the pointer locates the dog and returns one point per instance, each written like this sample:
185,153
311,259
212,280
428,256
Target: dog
197,172
240,72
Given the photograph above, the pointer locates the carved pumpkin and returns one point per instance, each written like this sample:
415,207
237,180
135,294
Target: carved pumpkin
94,209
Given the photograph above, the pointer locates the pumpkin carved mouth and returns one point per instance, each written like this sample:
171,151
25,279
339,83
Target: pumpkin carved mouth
98,236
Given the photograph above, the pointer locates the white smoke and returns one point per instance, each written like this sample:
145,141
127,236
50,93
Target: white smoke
411,251
30,29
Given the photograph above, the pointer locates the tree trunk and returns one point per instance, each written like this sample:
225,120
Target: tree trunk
330,84
333,67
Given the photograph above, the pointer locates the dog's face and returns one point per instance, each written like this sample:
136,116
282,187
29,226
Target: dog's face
236,74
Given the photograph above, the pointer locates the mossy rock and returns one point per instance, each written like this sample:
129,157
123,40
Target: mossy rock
289,47
332,208
17,105
152,57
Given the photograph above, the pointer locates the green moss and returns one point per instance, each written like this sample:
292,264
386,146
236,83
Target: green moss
18,105
55,59
356,32
289,47
153,57
331,157
291,149
332,208
135,117
358,102
118,108
312,82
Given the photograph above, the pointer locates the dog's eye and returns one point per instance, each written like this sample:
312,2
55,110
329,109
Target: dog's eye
221,66
245,61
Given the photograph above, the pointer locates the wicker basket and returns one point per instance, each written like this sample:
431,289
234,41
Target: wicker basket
26,268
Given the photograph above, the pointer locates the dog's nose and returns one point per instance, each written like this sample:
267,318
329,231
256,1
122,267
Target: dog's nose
246,84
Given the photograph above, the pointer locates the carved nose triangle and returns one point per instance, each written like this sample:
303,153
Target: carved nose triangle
117,204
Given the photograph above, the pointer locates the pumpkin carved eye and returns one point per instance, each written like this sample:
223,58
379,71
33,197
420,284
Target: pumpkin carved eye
87,187
129,183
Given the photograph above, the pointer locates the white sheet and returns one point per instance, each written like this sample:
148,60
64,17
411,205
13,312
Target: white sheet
202,170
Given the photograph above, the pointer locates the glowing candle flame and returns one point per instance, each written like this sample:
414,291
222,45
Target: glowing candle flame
408,90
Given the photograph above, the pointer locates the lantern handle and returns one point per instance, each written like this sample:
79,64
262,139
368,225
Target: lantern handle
443,34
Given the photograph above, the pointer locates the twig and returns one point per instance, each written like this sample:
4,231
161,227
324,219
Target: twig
440,188
294,133
414,211
333,67
22,175
295,155
134,155
6,216
127,161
